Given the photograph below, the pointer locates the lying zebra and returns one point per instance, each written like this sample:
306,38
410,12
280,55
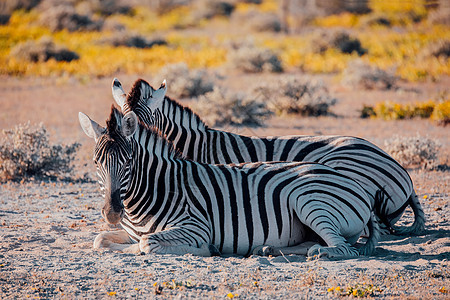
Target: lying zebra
357,158
168,204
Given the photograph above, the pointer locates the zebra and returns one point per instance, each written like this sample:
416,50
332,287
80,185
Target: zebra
355,157
166,203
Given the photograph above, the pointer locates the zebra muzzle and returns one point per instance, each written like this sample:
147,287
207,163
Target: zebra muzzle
113,211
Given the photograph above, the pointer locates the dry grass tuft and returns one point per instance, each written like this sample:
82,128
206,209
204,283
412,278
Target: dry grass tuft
25,152
184,82
360,74
415,151
223,107
41,51
294,96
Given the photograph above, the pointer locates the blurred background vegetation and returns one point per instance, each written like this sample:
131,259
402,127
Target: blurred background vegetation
395,47
399,39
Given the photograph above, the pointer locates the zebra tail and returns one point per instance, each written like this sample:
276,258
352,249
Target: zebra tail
418,227
374,236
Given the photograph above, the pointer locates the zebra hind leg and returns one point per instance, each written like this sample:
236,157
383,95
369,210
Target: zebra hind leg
374,236
418,227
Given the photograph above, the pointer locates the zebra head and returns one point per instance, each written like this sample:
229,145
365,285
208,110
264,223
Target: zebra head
113,157
143,99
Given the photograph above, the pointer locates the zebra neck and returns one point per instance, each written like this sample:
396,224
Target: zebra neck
224,147
183,128
152,189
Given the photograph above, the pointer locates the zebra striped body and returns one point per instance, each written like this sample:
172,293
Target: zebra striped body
171,202
357,158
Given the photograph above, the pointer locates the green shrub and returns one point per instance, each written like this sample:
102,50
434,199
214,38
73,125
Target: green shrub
25,152
222,107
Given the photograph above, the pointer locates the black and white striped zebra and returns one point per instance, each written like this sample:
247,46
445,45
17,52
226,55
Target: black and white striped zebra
168,204
357,158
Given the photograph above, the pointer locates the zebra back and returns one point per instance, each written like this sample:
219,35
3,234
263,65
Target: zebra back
357,158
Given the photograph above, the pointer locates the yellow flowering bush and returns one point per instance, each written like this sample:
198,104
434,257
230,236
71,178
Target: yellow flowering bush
400,50
436,111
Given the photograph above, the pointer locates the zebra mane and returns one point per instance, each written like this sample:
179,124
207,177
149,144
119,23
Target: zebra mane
135,95
114,132
113,124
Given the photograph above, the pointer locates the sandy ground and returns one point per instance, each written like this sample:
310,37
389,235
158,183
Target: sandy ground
47,228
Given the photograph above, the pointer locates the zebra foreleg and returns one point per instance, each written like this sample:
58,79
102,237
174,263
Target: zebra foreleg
340,251
171,241
115,240
300,249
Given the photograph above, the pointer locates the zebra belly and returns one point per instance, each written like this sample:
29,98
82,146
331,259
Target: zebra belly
292,234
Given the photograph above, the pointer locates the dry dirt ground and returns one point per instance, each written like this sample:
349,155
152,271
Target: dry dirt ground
47,228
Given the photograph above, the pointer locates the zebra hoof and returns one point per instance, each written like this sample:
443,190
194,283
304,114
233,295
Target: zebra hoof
213,250
264,250
317,252
101,241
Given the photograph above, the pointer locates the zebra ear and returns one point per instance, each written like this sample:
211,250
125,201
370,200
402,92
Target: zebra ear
160,93
129,124
91,128
118,93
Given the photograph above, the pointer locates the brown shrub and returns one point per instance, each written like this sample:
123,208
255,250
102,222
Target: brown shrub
296,96
126,39
25,152
65,17
415,151
340,40
440,48
223,107
263,22
183,82
440,16
41,51
359,74
8,6
207,9
251,59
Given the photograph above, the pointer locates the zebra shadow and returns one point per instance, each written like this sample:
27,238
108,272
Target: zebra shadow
416,247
